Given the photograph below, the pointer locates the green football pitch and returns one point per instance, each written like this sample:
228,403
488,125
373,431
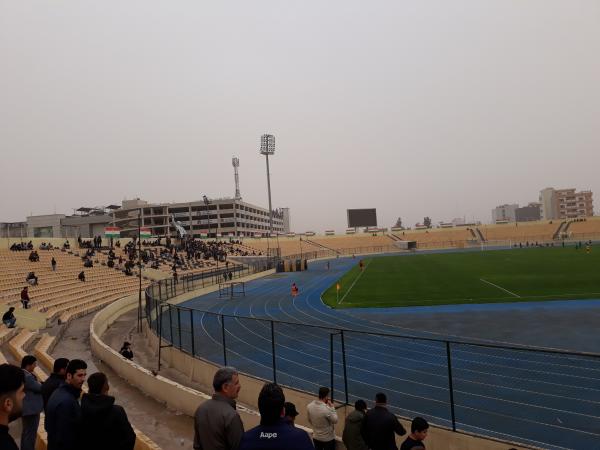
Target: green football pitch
532,274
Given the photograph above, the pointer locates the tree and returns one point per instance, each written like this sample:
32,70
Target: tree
427,221
398,223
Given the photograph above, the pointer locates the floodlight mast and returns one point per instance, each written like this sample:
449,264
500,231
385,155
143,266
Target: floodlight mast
235,162
267,147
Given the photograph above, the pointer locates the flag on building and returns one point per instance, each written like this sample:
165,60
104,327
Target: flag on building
145,232
112,232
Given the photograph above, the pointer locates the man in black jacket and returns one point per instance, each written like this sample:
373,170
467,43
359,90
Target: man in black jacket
380,425
63,413
104,424
56,379
12,392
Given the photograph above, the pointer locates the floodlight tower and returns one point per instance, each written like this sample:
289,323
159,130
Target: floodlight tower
235,162
267,147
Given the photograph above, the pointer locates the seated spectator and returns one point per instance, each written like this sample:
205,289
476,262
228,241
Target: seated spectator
25,297
418,433
66,245
110,263
32,257
31,279
274,432
126,351
81,276
104,424
88,263
380,425
352,436
9,318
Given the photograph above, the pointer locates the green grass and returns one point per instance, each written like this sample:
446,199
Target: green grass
452,278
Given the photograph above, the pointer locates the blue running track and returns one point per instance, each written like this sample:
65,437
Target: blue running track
545,400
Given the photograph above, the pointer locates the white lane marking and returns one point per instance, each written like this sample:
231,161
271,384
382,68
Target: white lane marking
500,287
354,282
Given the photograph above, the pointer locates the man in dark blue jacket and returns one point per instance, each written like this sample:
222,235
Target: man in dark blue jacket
63,413
381,425
274,432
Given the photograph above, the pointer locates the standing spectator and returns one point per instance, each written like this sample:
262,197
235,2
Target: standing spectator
53,262
33,404
12,391
274,432
380,425
323,417
9,318
217,425
290,413
175,276
55,380
352,436
25,297
418,433
126,351
104,424
63,413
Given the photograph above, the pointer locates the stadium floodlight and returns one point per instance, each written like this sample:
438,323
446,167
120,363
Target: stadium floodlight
206,203
267,147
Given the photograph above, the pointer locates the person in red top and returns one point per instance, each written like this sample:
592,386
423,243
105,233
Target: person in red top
294,290
25,297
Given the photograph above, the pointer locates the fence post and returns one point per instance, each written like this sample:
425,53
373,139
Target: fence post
179,326
273,352
450,387
331,362
159,290
159,325
170,325
192,331
344,363
223,338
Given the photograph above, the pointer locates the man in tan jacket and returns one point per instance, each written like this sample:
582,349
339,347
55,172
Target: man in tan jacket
323,417
217,425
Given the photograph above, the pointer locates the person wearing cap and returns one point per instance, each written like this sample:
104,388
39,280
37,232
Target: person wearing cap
12,392
274,432
126,351
290,413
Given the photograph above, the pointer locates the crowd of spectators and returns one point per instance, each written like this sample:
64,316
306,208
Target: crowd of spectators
217,424
73,420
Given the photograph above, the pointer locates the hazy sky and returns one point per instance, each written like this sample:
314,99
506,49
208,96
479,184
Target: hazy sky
440,108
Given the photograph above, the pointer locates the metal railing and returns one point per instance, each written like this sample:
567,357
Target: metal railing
473,387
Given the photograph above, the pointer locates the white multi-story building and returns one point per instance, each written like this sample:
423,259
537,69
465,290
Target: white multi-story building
220,218
565,203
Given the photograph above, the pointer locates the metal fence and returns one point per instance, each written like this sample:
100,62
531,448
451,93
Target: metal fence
513,393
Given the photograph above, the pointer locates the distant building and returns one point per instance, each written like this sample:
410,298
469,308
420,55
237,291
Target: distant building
528,213
223,217
565,203
504,213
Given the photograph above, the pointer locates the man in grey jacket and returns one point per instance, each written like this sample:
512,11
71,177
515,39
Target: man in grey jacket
33,403
217,425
